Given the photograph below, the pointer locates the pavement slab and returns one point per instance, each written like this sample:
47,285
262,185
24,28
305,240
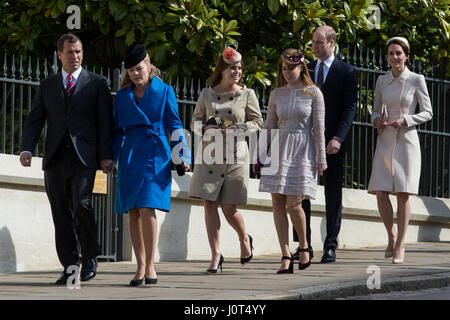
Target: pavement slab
427,265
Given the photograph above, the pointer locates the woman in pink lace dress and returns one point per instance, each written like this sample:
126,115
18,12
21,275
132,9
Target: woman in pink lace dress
296,108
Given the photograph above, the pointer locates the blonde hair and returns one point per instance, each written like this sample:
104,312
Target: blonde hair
305,78
126,81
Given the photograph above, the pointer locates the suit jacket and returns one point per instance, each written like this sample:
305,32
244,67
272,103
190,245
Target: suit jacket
339,92
88,117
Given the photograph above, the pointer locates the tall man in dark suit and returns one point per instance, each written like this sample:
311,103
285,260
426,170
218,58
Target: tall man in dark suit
337,80
77,106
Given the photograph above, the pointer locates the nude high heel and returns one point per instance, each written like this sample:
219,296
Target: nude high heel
388,253
401,259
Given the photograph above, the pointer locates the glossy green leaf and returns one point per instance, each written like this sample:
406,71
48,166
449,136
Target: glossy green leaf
129,40
62,5
274,6
172,17
179,32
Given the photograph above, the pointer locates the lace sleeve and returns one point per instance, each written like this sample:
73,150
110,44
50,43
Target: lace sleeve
318,113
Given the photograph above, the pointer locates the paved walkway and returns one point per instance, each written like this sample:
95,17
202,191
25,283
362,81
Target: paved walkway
427,265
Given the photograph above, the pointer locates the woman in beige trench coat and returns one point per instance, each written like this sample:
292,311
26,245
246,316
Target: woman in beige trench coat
397,161
222,176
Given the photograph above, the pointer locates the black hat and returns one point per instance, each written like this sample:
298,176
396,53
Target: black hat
136,55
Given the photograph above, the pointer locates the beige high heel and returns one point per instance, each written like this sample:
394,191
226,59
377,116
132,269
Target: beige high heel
399,260
388,253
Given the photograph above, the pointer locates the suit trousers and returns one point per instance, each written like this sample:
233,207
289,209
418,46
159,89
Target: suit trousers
333,179
69,184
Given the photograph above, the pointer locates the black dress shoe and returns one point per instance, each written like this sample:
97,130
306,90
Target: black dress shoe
89,270
62,281
297,252
328,256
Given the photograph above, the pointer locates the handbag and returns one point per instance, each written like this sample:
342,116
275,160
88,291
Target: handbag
223,124
384,116
215,120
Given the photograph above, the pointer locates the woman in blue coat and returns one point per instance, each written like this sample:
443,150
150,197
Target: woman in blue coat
145,109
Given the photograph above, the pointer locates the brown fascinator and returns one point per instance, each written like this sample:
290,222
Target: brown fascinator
230,54
293,57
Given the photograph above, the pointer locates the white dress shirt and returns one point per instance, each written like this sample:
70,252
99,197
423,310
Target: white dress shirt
75,75
326,67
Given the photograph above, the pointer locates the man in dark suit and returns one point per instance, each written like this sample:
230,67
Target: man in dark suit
337,80
77,107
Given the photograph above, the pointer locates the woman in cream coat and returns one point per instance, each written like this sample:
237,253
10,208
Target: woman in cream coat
222,176
397,161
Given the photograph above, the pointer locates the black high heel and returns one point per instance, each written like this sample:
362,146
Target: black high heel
151,280
136,282
303,266
219,265
290,270
250,257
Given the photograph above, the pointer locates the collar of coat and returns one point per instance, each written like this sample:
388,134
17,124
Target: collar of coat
235,93
402,77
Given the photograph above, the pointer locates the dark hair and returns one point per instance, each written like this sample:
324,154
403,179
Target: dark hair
405,50
69,37
216,77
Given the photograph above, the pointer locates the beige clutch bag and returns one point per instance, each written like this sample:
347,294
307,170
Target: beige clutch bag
384,116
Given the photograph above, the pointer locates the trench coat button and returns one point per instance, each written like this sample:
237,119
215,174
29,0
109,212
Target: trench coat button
222,175
231,98
210,172
218,98
229,111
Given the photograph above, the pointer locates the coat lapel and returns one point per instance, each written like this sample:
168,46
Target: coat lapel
82,80
311,69
59,91
331,72
407,81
